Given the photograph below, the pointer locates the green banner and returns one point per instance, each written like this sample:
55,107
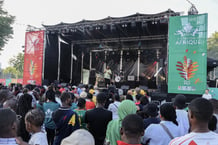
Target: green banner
187,54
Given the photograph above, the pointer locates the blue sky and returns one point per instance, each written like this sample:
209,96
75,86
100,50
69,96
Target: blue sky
37,12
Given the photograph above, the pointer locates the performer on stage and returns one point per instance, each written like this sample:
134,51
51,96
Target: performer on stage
107,76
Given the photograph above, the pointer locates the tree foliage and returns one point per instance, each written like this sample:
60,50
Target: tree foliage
6,29
17,62
11,71
212,45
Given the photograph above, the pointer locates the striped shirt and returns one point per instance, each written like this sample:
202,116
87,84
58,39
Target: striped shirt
193,138
8,141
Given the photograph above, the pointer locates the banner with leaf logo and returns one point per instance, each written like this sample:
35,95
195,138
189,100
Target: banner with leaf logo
33,57
187,47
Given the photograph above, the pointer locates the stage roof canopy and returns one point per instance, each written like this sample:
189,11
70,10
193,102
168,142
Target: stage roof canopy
137,27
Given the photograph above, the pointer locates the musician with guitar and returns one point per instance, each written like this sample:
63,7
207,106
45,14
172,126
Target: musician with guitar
107,76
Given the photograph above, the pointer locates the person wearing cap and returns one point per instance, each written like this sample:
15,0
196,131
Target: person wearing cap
182,115
151,112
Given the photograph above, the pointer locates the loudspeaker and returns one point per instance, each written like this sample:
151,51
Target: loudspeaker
92,76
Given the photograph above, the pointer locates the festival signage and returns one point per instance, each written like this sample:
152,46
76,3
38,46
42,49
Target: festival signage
187,54
33,57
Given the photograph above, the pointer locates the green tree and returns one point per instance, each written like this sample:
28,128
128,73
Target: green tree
6,29
10,71
17,62
212,45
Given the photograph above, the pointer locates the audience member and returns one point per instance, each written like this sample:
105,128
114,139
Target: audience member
11,103
79,137
65,119
5,94
132,130
24,105
97,119
200,112
215,111
8,127
113,107
49,107
81,110
89,103
182,115
34,120
125,108
161,134
151,113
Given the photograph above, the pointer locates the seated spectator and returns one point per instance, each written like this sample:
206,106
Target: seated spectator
34,120
161,134
125,108
200,112
8,125
79,137
132,130
182,115
151,113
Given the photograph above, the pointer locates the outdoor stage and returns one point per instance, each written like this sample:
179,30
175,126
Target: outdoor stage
135,48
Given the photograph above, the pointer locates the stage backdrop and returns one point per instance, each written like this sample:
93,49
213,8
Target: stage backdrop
187,54
33,57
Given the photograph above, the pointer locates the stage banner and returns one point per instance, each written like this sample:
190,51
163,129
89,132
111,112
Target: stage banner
3,81
214,92
33,58
187,51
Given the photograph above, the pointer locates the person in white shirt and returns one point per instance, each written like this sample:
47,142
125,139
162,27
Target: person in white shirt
34,120
113,107
199,113
182,115
207,95
161,134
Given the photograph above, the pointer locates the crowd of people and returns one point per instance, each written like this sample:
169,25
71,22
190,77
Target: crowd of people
61,114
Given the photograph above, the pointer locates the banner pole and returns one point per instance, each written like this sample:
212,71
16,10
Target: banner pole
71,66
59,57
43,61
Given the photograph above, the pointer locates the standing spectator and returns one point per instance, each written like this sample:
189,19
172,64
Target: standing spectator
24,105
182,115
132,130
161,134
65,119
49,107
97,119
5,94
200,112
214,103
125,108
11,103
81,110
89,103
207,95
151,113
8,125
113,107
34,121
